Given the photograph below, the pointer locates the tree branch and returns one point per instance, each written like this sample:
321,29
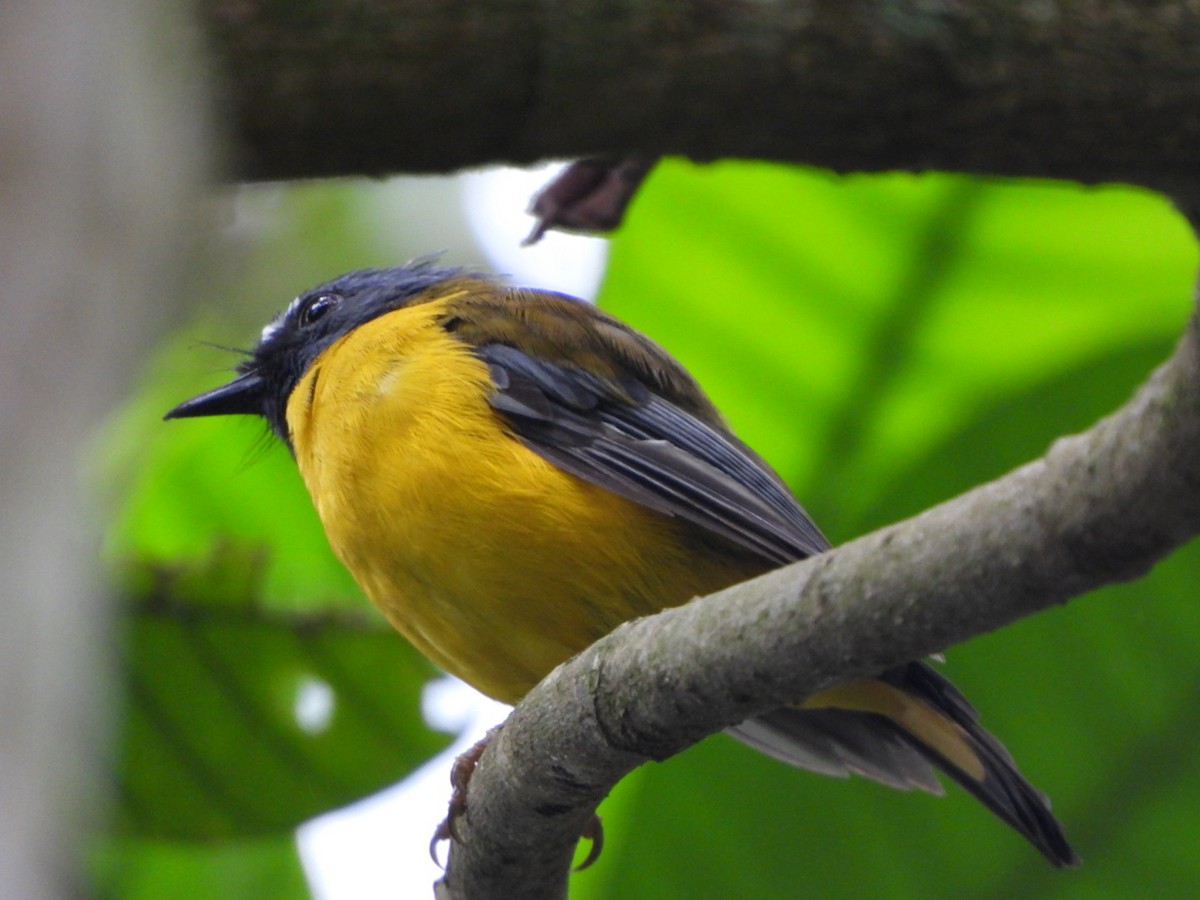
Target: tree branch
1091,90
1099,507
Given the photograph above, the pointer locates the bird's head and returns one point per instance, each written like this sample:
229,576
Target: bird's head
297,336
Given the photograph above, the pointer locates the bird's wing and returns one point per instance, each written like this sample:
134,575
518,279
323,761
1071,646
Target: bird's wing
640,445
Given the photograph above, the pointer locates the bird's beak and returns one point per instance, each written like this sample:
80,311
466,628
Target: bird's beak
242,396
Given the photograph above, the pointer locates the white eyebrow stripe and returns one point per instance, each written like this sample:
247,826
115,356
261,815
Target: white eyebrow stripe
270,329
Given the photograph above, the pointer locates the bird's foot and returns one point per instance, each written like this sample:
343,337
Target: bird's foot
594,832
460,778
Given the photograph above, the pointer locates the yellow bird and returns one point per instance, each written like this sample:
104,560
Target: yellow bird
510,474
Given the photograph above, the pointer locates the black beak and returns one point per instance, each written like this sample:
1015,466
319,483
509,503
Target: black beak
242,396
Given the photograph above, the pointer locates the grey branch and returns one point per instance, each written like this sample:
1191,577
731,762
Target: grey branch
1099,507
1091,90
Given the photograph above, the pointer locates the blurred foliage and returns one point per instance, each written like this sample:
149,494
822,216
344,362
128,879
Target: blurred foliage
886,342
251,720
154,870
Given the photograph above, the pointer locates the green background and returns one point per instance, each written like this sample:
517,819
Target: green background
886,342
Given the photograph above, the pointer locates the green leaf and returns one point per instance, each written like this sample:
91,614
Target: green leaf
161,870
242,720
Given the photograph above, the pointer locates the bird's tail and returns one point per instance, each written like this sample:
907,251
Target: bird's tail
895,729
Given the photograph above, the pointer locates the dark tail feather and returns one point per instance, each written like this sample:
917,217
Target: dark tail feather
838,741
1003,789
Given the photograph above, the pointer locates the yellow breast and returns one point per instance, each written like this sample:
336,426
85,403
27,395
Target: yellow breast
494,563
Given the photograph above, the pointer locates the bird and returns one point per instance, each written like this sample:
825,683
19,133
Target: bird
511,473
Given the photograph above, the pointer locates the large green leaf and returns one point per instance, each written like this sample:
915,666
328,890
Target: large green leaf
242,720
135,869
888,342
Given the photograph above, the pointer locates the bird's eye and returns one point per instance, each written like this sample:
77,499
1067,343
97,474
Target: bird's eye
315,308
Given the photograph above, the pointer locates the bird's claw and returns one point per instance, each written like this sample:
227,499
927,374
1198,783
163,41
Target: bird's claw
460,778
594,832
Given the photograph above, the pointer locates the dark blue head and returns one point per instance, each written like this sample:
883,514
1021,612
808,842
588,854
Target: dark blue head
296,337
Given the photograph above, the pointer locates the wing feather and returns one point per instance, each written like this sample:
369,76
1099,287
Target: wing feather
640,445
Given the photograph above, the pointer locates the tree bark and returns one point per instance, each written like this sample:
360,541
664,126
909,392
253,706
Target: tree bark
1091,90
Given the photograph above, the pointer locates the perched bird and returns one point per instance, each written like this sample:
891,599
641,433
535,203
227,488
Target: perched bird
510,474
